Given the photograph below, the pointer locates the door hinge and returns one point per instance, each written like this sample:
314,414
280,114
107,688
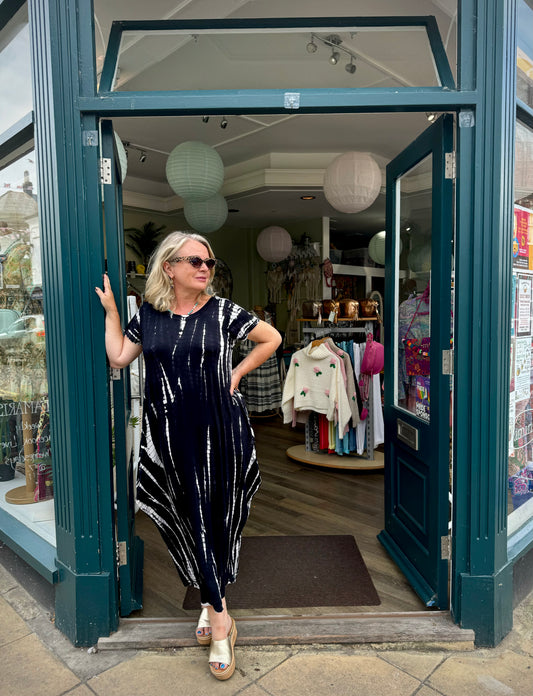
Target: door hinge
105,170
122,553
115,373
447,362
446,548
449,165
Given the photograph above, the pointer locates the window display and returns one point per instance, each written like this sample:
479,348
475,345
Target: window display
521,393
25,458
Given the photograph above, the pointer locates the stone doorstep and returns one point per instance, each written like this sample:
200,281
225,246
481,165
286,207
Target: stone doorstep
421,628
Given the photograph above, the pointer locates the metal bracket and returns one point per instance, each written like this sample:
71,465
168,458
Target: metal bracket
291,100
445,548
115,373
122,553
449,165
90,138
447,362
105,170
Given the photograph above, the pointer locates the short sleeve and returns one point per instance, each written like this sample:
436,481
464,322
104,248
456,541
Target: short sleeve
133,329
240,322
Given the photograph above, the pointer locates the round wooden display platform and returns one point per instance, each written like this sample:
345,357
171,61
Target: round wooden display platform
334,461
20,496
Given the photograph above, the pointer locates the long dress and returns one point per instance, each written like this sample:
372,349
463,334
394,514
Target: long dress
198,468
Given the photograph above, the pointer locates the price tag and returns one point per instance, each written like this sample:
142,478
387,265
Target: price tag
331,316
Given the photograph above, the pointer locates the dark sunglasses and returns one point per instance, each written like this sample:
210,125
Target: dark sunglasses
195,261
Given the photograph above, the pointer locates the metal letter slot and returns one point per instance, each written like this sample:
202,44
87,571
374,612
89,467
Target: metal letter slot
407,434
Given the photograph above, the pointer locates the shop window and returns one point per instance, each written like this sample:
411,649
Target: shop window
15,70
520,497
26,488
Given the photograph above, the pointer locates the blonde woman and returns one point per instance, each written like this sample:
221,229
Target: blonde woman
198,469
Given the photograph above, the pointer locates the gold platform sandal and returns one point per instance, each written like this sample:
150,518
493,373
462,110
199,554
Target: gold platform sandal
223,653
203,623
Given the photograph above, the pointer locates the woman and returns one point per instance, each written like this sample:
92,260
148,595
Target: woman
198,469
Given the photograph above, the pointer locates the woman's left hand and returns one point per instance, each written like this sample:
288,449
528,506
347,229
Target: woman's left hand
235,379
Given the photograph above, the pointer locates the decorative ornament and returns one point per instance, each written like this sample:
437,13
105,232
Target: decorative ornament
206,216
376,247
122,158
274,244
352,182
195,171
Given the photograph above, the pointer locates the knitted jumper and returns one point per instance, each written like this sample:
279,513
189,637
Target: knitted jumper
314,382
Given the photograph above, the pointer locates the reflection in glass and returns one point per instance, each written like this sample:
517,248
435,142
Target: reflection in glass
25,461
524,57
15,77
413,273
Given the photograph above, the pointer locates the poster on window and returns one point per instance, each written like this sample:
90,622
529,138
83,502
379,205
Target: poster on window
522,238
522,369
523,311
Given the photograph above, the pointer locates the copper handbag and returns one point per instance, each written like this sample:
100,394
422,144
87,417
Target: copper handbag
312,309
330,310
348,309
368,309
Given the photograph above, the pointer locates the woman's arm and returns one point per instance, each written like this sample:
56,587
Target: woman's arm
120,350
267,339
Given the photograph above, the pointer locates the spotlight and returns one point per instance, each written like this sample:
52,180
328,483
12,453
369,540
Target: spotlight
350,67
311,46
308,198
334,57
205,119
142,157
224,122
431,116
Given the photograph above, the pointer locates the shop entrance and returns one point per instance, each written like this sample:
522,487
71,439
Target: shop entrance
398,503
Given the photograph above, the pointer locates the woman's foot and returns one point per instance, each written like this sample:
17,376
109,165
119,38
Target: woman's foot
221,654
203,629
221,628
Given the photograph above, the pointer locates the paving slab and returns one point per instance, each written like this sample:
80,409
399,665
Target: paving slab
181,673
417,664
7,581
29,668
342,675
12,627
80,691
494,674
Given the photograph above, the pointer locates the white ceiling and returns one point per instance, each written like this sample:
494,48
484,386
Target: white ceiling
270,160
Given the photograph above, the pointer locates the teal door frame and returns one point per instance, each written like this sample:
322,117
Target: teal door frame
68,107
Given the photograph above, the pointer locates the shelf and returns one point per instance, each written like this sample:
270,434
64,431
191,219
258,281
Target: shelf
326,321
352,462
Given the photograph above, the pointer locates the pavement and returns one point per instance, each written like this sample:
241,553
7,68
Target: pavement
38,660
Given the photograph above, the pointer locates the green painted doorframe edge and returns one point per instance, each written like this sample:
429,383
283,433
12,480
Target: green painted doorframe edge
71,202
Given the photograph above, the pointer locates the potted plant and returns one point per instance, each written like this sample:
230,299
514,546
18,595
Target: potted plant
143,240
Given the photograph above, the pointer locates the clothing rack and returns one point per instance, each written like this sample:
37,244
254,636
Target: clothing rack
303,453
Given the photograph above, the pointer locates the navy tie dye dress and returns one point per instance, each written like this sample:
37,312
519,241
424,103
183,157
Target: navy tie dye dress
198,468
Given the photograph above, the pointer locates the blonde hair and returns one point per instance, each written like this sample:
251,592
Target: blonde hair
159,291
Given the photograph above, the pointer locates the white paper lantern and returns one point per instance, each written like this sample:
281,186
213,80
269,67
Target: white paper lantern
122,158
376,247
419,259
195,171
274,244
352,182
206,216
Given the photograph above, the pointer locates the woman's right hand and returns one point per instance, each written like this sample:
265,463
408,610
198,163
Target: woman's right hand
106,296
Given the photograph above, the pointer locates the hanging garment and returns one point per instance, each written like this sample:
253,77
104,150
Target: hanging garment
198,468
414,321
261,388
314,383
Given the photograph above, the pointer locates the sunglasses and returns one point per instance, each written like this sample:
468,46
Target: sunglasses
195,261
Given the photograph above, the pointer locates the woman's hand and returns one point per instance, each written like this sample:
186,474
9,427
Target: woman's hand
106,296
267,339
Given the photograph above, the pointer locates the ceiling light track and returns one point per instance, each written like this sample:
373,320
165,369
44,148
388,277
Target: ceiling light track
334,42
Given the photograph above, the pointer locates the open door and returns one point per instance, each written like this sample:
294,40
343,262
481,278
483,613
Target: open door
129,546
418,297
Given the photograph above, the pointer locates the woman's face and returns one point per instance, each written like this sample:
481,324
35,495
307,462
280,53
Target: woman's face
183,274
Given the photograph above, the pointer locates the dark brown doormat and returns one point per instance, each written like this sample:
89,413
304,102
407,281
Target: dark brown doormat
297,571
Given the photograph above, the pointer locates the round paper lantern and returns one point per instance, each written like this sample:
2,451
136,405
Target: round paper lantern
122,158
195,171
352,182
274,244
376,247
206,216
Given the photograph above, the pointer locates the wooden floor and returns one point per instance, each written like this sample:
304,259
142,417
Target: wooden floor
294,499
